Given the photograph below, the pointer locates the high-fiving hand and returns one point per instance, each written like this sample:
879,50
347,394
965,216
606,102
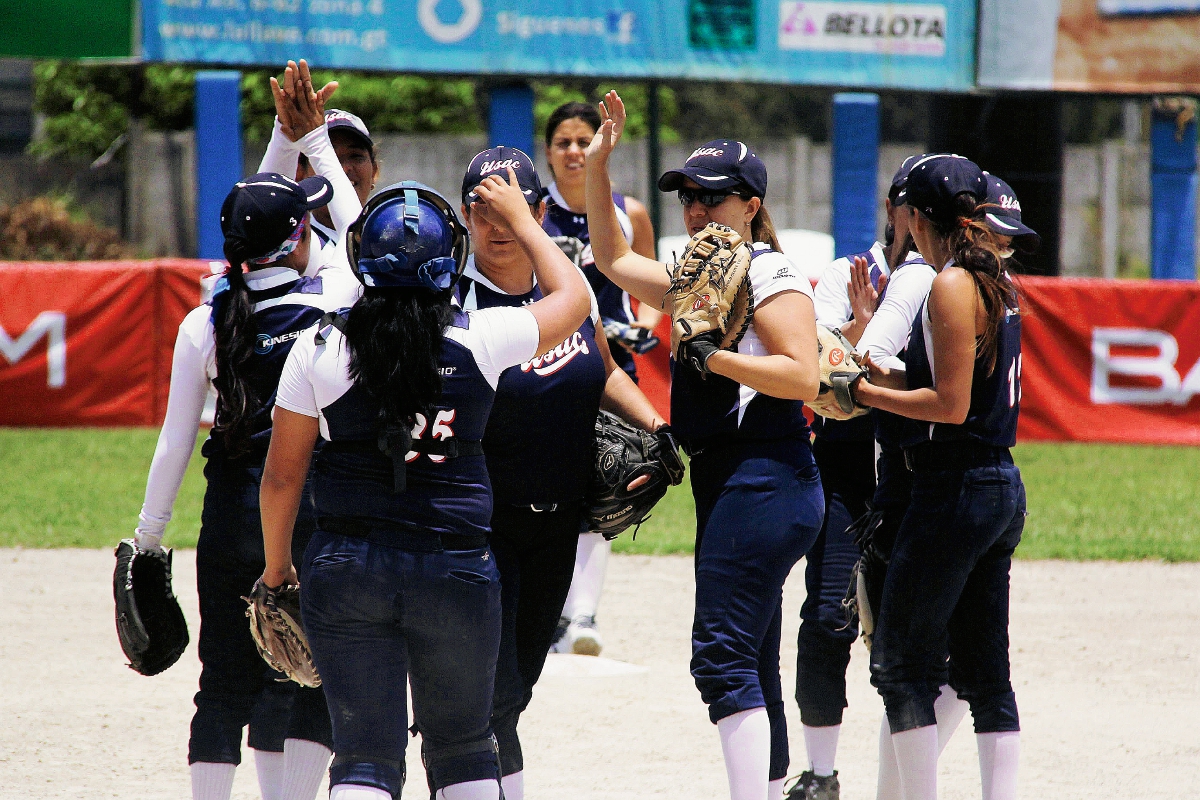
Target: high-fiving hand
300,108
612,125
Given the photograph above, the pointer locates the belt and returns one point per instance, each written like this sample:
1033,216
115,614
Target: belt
953,455
401,539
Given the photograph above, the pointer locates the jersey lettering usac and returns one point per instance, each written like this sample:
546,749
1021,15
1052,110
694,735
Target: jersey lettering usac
995,395
539,437
612,301
353,478
704,411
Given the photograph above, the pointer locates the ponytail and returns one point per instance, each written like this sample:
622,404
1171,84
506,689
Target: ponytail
763,230
974,247
235,333
395,341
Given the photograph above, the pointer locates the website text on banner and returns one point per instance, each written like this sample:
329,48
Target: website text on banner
1110,361
91,343
901,44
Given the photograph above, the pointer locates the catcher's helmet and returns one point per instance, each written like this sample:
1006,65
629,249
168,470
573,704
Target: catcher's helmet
408,236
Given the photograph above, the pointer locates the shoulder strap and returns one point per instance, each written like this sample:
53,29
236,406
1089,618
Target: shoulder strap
335,318
396,442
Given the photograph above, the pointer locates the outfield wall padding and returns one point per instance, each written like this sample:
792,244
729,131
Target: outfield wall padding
90,344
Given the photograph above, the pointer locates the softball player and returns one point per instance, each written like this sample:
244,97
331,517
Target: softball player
399,584
342,145
568,132
539,449
758,495
845,297
238,343
947,581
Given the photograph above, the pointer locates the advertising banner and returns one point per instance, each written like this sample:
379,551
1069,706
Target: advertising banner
91,343
1110,361
926,45
1134,46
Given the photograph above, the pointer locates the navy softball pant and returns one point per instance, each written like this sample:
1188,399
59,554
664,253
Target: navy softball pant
382,616
947,589
758,509
237,688
823,644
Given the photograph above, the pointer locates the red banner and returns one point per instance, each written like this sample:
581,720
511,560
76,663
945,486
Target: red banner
91,343
1110,361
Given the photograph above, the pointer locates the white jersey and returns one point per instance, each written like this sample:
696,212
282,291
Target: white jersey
282,156
194,367
886,335
831,300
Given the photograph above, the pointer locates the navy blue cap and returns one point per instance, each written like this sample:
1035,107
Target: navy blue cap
336,119
720,164
935,180
896,193
1005,218
262,211
496,161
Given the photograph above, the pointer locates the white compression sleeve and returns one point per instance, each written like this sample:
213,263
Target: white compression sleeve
746,745
282,154
344,208
185,405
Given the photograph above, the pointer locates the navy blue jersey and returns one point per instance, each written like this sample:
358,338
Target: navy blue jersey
612,301
704,411
995,395
283,304
353,478
539,438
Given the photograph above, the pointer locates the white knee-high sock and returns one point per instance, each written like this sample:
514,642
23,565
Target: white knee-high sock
998,757
591,562
821,744
212,781
949,711
746,744
352,791
775,789
304,764
514,786
916,760
269,767
471,790
888,785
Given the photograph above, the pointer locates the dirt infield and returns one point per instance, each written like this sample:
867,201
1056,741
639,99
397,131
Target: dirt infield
1106,666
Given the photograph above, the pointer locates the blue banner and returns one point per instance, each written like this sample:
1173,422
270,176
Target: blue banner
920,45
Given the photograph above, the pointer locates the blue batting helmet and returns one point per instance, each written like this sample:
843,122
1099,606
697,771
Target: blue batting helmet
408,236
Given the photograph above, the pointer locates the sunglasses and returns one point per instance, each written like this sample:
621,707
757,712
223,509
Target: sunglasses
706,197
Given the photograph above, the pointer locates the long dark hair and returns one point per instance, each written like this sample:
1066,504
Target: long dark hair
573,110
235,333
763,230
974,247
395,342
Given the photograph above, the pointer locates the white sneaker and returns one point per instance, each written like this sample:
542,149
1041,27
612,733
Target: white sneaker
582,637
559,643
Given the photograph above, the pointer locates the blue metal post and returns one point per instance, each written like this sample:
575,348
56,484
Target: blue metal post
218,152
1172,199
510,117
855,164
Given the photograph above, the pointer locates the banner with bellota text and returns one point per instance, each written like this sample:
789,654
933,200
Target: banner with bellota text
1106,361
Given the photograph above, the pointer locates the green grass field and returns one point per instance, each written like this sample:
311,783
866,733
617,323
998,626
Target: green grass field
84,487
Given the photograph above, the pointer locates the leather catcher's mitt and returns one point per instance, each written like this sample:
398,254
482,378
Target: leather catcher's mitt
150,623
275,625
623,454
839,372
710,288
864,595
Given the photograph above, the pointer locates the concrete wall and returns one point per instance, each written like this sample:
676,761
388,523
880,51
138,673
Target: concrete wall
1106,200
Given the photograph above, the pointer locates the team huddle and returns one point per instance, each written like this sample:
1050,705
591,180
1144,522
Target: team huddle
372,491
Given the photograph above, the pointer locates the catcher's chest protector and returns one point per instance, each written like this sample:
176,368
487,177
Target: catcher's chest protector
539,437
719,407
353,478
150,624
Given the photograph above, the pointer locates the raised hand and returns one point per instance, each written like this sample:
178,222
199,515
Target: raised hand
864,298
300,108
501,203
612,125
